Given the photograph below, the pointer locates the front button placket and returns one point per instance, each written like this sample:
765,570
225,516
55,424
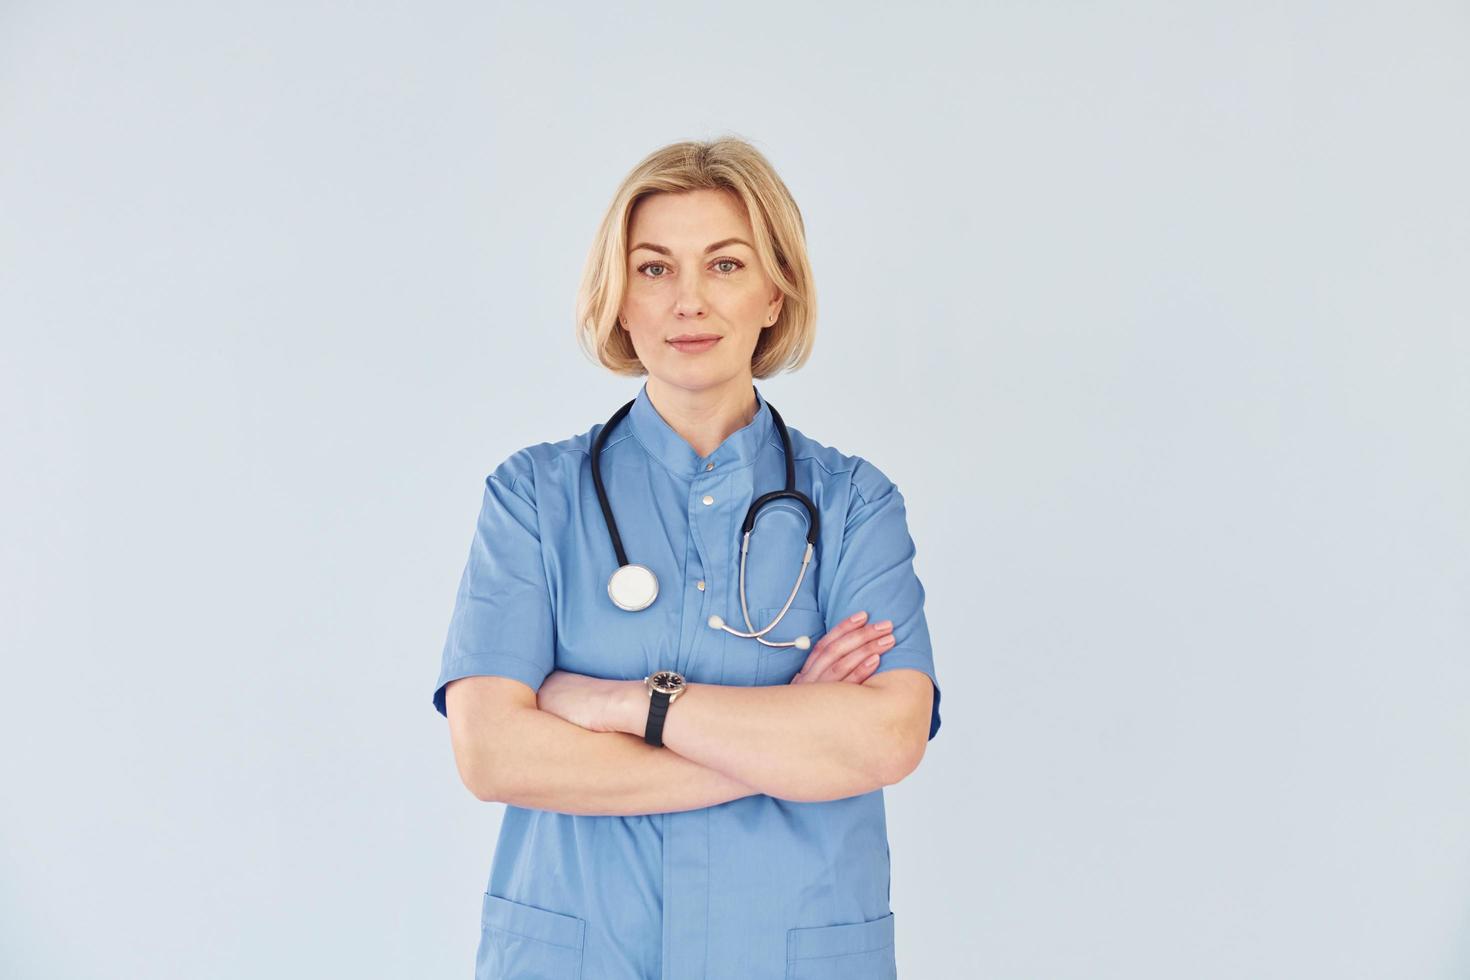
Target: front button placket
687,834
718,486
699,644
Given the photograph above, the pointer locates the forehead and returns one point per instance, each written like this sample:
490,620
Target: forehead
688,219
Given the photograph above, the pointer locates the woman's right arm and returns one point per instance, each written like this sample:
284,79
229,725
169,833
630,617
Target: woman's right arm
509,751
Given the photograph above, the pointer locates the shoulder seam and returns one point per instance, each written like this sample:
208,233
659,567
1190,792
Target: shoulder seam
889,489
587,450
562,451
775,440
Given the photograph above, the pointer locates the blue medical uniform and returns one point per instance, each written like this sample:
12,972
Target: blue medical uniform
757,888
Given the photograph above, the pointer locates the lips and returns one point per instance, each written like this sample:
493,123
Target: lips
693,343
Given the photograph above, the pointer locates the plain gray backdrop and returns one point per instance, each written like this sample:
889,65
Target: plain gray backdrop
1156,313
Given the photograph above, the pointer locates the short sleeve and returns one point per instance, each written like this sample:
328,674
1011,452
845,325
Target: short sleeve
502,619
875,571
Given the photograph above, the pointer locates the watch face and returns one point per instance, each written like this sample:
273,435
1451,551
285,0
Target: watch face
667,681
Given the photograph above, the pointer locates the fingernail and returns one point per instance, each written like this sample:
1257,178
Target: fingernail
859,617
884,626
887,641
870,661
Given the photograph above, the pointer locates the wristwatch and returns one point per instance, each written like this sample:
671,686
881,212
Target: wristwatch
663,687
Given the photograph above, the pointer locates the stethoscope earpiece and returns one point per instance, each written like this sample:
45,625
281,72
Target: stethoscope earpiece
801,642
633,587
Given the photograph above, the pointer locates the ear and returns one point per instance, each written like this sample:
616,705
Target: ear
774,313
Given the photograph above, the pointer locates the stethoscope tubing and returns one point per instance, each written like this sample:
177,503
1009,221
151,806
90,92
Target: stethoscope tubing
650,585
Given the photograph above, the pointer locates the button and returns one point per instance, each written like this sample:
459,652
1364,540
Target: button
709,466
700,585
708,500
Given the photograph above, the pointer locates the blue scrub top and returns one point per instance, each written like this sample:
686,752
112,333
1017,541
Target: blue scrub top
753,888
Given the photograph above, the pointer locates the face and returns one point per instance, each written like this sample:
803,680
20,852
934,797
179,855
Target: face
693,273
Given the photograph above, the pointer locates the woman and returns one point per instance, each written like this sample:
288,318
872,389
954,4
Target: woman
731,826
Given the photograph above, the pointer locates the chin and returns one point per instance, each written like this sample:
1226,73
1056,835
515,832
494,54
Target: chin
696,375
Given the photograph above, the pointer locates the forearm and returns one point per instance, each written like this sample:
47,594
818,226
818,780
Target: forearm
546,763
802,742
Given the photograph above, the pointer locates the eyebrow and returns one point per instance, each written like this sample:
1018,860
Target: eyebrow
708,249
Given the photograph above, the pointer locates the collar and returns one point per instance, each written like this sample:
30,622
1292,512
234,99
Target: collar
669,448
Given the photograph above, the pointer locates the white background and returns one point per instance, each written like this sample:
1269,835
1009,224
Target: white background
1156,313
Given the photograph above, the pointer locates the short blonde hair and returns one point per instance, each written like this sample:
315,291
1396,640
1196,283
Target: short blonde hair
727,164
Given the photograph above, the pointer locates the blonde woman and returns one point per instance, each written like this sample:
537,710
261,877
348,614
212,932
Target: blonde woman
688,792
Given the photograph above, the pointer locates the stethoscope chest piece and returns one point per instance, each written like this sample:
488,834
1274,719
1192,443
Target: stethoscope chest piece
633,587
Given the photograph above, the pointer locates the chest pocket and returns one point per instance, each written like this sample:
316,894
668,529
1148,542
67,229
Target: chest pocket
777,543
777,665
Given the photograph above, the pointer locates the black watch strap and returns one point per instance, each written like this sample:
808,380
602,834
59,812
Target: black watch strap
658,707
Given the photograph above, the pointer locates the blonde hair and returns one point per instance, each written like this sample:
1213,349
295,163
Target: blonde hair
728,164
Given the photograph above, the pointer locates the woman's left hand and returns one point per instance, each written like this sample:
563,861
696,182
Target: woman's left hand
584,701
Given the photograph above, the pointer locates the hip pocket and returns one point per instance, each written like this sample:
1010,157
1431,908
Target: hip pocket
527,943
852,951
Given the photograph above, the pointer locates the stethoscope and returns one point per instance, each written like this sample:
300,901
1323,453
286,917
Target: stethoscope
634,587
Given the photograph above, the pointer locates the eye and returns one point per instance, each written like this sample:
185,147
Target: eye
736,266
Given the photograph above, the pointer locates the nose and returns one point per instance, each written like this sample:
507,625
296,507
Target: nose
689,300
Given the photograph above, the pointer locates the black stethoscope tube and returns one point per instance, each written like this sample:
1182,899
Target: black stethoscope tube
649,588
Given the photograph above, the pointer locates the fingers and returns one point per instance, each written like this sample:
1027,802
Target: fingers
844,651
837,632
863,670
858,665
817,658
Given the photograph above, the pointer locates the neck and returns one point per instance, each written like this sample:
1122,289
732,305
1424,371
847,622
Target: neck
705,418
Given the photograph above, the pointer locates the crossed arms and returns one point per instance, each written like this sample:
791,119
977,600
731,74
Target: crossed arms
802,742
